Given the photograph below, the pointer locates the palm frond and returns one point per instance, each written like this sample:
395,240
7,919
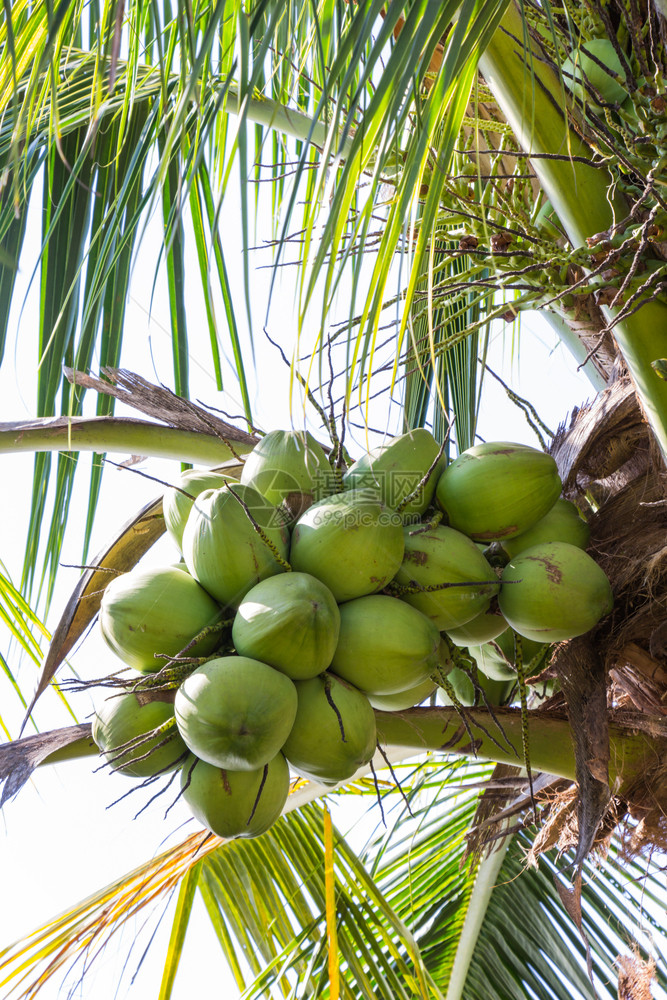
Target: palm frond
403,905
24,635
377,955
445,385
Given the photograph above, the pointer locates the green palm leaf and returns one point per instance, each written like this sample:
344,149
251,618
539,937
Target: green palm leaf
403,907
24,637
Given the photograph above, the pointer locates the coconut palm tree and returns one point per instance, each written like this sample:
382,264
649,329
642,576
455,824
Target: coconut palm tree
435,167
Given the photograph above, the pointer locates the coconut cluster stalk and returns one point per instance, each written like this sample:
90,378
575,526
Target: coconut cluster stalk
551,748
440,730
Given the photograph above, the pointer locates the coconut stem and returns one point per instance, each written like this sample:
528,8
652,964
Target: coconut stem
265,773
387,761
116,434
442,681
267,541
146,782
163,790
438,729
188,780
521,675
418,491
551,748
429,525
332,703
170,676
377,793
399,589
452,655
138,741
193,661
480,694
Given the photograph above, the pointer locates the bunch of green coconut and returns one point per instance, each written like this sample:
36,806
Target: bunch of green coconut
310,597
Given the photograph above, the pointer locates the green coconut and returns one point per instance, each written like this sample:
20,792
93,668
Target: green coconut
481,629
334,730
505,644
385,646
157,611
176,504
579,68
491,664
462,686
351,542
497,691
440,556
235,712
403,699
554,592
289,468
289,621
395,470
236,803
122,728
223,548
563,523
497,658
498,489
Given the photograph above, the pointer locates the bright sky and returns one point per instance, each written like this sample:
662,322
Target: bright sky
61,842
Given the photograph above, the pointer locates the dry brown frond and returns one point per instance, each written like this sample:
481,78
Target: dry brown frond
635,977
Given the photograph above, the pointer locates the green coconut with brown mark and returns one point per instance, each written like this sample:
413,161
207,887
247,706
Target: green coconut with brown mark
498,489
351,542
122,728
289,621
334,730
235,712
553,592
147,612
445,576
396,470
236,803
384,645
233,539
